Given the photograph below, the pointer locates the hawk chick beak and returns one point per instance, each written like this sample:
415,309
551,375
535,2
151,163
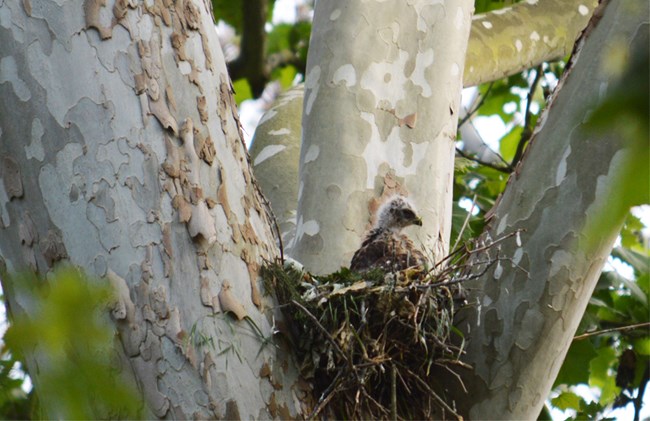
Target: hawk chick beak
417,221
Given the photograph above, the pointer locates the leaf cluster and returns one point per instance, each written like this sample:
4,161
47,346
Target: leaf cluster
68,329
614,355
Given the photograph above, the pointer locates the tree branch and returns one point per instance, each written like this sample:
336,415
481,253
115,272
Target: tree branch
506,170
638,401
251,63
613,329
527,131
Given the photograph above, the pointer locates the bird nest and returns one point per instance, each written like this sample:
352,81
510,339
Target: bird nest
372,343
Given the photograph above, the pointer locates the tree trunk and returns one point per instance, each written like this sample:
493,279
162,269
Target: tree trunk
121,152
526,306
382,97
501,43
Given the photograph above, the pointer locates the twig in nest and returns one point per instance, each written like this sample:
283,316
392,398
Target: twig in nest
324,331
393,392
371,399
434,394
327,396
462,364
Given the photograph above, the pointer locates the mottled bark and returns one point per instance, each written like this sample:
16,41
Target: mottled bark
121,152
502,42
375,119
506,41
275,152
526,308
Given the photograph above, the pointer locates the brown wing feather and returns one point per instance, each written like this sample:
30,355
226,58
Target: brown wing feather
386,250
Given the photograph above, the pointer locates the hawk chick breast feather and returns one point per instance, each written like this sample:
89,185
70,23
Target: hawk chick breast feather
385,246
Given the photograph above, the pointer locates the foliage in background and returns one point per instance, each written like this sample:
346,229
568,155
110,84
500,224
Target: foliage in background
15,402
285,46
69,325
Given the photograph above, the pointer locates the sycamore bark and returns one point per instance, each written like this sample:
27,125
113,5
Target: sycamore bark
121,153
382,95
526,308
501,43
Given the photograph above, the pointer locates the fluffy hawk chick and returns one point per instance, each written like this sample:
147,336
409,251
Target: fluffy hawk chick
384,246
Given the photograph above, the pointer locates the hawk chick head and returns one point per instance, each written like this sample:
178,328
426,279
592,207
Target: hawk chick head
396,214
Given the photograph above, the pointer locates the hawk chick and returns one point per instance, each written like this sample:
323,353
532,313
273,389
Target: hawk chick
384,246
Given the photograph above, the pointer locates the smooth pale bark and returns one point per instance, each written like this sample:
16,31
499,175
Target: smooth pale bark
121,152
525,309
276,141
506,41
382,96
502,42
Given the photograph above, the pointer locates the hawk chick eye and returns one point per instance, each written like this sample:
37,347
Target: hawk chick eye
408,214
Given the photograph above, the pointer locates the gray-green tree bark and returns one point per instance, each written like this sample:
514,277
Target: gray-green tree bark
526,307
375,120
501,43
120,152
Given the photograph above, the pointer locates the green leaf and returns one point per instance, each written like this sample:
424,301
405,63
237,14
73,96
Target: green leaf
68,322
640,262
567,400
285,76
497,97
642,346
230,11
643,282
575,369
278,39
630,233
602,376
509,142
242,91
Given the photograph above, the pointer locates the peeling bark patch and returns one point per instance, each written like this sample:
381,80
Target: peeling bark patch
202,223
10,175
312,84
102,199
35,148
562,167
202,106
311,154
9,73
93,19
191,14
385,80
229,303
122,307
28,235
267,153
531,325
27,231
223,105
253,272
53,248
207,151
423,61
345,74
232,411
404,159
